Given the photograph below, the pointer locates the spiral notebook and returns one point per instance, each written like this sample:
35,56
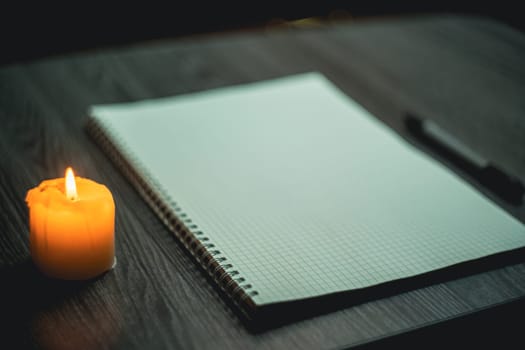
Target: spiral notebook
287,189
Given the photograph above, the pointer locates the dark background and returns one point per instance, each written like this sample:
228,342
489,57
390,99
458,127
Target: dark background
32,31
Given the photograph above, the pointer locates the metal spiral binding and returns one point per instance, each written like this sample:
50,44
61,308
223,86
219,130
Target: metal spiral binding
173,216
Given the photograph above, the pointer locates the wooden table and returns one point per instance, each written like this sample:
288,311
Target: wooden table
465,73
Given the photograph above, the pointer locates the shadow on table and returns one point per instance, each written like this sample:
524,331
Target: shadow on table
52,313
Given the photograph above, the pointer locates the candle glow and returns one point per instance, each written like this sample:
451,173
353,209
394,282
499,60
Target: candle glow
71,185
71,224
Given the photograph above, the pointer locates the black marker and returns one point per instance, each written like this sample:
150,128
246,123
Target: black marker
486,173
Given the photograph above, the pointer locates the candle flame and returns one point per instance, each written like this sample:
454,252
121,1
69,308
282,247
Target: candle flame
71,185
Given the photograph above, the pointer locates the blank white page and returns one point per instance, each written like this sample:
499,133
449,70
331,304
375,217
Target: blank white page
302,190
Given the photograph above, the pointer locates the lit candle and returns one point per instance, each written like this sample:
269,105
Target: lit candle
71,223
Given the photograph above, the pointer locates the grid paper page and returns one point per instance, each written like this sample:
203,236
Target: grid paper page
303,191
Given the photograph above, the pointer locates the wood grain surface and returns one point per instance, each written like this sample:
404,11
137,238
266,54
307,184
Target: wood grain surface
465,73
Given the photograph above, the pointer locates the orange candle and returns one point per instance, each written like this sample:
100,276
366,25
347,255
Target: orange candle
71,223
